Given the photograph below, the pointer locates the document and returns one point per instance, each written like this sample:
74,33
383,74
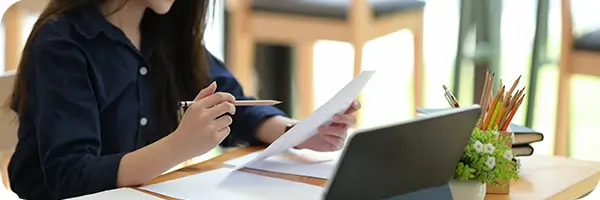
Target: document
118,194
238,186
295,162
307,128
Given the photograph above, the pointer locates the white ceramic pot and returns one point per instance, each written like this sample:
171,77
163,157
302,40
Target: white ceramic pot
467,190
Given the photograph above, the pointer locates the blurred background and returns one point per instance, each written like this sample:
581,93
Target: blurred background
304,54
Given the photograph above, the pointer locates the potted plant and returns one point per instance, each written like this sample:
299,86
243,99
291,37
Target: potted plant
487,160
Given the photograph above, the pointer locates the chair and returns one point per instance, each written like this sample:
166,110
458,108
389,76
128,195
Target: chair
300,23
11,17
8,128
7,140
14,14
579,55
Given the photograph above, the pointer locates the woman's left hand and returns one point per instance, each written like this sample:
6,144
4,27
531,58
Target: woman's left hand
332,137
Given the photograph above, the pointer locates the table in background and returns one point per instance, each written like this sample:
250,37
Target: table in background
542,177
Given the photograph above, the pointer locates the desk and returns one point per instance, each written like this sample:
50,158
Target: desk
542,177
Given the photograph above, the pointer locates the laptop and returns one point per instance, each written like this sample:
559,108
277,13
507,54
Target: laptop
403,159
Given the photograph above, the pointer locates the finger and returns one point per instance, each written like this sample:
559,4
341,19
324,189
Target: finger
223,122
344,119
345,126
335,143
206,91
215,99
220,109
355,106
221,134
336,131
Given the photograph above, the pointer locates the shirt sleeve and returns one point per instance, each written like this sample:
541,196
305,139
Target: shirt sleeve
66,118
247,118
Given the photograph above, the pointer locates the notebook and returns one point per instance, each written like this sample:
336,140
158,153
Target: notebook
523,135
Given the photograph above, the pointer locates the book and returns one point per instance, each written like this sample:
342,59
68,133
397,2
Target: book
523,150
523,135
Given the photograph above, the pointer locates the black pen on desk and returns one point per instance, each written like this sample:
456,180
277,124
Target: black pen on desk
239,103
450,97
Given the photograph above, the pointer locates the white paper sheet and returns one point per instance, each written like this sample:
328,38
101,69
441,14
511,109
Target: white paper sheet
308,127
317,165
118,194
239,185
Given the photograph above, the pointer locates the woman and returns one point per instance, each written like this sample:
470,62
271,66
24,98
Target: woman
97,92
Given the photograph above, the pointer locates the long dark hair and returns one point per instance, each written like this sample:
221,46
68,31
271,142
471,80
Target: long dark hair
178,60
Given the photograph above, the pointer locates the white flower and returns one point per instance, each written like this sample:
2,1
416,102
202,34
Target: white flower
478,146
490,162
496,133
508,155
489,148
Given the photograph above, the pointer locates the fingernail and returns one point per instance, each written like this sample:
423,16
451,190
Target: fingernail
213,83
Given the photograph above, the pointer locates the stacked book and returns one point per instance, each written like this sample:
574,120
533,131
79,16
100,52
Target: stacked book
524,136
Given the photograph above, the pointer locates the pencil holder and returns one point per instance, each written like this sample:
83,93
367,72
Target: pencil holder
504,186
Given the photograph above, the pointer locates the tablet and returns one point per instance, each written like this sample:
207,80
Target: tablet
402,158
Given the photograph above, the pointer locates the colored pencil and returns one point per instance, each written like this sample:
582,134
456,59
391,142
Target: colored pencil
490,90
488,96
502,112
511,102
514,110
491,110
485,84
497,110
483,98
514,86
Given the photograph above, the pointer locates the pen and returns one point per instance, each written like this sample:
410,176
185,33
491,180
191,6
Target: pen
450,97
239,103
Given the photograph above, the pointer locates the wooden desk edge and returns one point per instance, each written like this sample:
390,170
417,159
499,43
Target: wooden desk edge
580,188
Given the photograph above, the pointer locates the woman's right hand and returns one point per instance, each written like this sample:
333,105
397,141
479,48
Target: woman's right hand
204,125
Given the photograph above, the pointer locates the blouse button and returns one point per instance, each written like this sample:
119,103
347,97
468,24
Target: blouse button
143,71
143,121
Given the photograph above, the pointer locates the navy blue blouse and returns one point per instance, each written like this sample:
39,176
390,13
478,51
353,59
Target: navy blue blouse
89,104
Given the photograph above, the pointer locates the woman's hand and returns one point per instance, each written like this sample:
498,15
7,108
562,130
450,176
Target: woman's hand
204,125
332,137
